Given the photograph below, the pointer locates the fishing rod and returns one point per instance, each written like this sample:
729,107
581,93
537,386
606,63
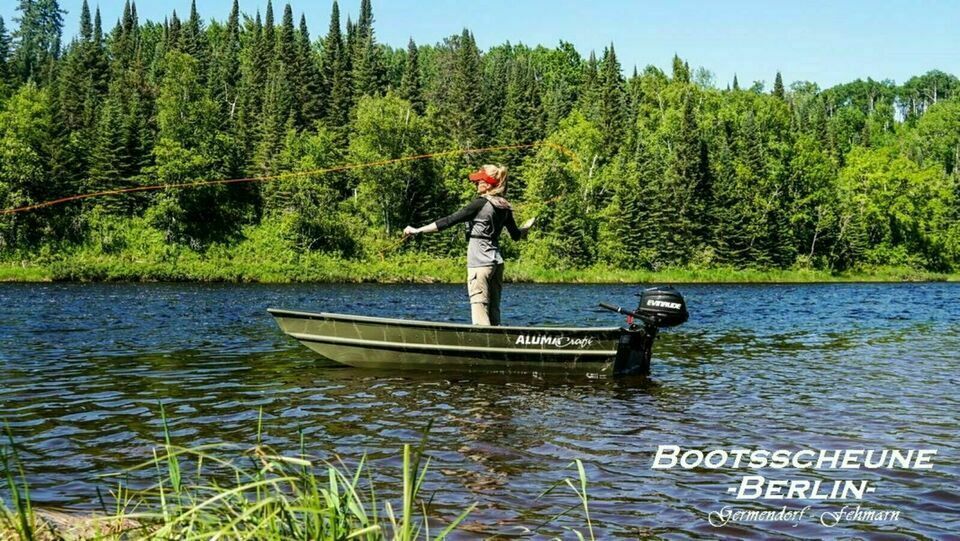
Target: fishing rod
292,174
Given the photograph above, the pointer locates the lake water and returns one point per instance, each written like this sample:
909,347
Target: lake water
83,368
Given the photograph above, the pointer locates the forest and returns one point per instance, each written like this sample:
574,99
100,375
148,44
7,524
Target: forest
626,168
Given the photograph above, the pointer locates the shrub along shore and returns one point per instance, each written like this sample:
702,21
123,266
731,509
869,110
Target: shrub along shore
130,250
318,268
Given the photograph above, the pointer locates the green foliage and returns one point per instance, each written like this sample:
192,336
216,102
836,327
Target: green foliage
306,206
25,127
189,148
938,137
921,92
892,211
456,92
658,170
394,194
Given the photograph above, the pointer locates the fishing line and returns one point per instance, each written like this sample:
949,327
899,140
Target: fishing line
292,174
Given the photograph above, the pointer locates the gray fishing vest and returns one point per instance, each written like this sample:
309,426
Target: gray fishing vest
483,236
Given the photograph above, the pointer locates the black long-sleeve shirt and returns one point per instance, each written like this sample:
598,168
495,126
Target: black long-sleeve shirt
486,222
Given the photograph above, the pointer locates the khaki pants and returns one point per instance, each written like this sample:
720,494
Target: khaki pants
484,285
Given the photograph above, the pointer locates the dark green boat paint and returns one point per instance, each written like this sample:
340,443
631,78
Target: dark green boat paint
393,344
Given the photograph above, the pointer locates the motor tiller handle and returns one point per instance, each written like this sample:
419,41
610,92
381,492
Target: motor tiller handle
619,310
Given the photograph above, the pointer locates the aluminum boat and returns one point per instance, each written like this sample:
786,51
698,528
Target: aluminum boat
395,344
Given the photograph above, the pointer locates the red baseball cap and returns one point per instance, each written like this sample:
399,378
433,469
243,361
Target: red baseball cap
481,175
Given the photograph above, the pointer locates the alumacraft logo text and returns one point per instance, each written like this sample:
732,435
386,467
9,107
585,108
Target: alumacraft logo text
558,341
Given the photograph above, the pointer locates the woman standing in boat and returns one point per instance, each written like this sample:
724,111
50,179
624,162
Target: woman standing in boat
486,215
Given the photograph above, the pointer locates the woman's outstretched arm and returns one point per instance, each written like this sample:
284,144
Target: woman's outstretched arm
460,216
429,228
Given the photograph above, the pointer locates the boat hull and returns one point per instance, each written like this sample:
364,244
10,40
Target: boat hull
395,344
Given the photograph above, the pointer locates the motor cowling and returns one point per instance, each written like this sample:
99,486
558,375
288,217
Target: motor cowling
662,306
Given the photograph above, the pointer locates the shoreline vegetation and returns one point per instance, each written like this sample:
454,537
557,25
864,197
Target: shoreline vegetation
413,269
229,492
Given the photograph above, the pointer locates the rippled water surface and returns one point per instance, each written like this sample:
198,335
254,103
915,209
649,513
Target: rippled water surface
83,368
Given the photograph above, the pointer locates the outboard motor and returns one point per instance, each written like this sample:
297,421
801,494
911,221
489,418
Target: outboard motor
662,307
659,307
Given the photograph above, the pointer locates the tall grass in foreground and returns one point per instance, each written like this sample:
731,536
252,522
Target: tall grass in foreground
261,495
583,501
268,497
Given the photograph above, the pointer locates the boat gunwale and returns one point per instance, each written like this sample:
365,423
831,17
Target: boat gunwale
432,324
413,346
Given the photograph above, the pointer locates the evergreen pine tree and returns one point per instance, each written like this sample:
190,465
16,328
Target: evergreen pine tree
561,85
311,88
138,117
77,96
37,38
754,229
336,76
410,87
522,113
366,69
462,100
819,123
5,71
523,118
193,39
329,58
253,77
681,70
612,101
107,155
590,91
367,72
350,46
572,238
365,22
286,46
134,21
778,91
736,84
686,188
86,24
269,42
74,83
98,29
286,58
225,66
634,94
97,64
496,66
275,120
173,33
126,36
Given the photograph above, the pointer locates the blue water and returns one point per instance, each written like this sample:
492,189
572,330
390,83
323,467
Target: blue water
83,368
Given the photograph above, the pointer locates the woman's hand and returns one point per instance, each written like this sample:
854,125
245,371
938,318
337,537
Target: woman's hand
410,230
525,228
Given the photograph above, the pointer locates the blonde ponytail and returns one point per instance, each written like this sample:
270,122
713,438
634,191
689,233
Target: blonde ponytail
498,172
